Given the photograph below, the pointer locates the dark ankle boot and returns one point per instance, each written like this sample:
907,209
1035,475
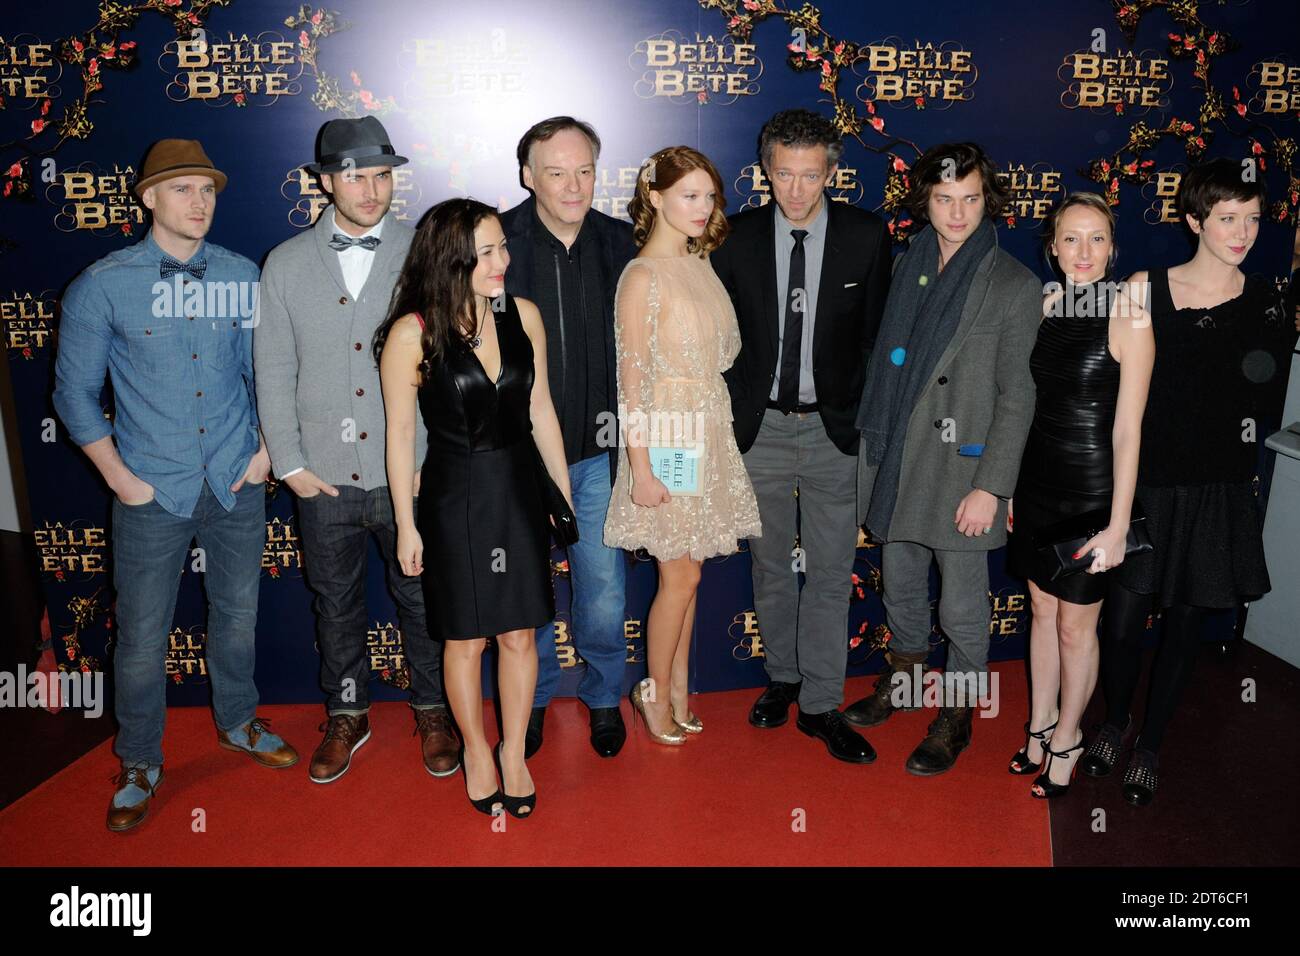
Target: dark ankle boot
877,708
948,736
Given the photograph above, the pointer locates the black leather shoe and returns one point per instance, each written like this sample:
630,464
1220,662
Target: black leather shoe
608,732
772,709
843,742
533,735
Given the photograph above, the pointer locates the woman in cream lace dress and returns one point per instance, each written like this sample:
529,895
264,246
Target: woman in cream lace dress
675,333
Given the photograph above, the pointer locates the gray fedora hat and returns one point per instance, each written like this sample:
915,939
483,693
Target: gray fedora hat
353,143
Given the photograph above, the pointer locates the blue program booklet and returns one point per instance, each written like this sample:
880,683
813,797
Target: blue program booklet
680,469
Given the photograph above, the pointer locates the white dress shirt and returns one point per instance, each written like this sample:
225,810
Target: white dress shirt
356,261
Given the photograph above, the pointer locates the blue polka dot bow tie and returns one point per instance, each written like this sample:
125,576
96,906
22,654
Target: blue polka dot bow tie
340,242
168,267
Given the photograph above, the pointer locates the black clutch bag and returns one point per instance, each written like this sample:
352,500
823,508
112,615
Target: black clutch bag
1058,544
564,523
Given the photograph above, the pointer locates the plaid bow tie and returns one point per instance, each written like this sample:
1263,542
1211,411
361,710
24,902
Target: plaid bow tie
340,242
168,267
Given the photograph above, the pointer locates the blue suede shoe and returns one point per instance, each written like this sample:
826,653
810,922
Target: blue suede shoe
136,785
256,740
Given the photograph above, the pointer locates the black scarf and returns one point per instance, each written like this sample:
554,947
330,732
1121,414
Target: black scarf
921,316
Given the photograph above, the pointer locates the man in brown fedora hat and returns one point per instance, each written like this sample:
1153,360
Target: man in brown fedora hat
183,456
324,292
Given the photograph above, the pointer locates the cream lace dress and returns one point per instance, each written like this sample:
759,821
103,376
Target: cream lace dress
674,334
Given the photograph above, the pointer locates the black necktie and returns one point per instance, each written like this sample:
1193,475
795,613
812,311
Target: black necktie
168,267
340,242
796,300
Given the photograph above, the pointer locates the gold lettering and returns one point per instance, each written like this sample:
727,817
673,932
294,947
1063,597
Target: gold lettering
1086,66
78,185
882,59
1279,101
660,53
889,88
1277,74
191,54
34,55
31,87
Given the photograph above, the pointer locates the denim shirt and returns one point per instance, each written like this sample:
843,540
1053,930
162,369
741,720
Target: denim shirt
181,368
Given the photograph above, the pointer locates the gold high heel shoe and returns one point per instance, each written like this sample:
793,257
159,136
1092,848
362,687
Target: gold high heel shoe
691,725
671,738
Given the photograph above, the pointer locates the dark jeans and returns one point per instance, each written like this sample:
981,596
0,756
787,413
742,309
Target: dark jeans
334,540
150,545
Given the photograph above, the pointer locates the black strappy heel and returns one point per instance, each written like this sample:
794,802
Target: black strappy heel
1020,764
1046,789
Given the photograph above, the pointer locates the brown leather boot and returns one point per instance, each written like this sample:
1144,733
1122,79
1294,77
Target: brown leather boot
877,708
344,735
124,818
438,741
948,736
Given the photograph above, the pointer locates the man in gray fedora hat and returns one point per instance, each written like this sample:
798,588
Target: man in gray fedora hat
324,292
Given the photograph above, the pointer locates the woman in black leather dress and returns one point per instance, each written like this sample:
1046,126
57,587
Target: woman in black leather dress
475,358
1091,365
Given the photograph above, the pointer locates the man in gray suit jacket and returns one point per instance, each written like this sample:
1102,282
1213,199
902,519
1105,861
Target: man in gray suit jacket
323,294
944,417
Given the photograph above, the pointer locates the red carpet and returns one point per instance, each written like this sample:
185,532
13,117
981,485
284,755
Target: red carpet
727,797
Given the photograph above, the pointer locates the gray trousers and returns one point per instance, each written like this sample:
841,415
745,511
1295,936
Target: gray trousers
805,633
964,610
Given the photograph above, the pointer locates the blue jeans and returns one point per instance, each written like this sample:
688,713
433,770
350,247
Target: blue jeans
597,581
150,547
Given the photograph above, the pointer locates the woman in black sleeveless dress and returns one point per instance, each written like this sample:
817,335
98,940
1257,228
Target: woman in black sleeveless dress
1223,344
476,359
482,512
1091,365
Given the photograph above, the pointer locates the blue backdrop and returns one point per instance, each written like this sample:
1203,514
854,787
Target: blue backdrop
1113,97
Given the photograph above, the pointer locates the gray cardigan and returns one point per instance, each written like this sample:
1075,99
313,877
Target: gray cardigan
318,391
983,385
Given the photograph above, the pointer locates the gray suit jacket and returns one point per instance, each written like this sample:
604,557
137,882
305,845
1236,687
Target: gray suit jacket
318,391
981,393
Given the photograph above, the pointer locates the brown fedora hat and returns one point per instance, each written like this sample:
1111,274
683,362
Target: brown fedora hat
169,158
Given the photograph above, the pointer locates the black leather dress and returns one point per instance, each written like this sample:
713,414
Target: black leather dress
481,516
1068,463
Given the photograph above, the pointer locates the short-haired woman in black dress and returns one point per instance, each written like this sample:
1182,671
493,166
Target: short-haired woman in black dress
474,359
1223,344
1092,366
